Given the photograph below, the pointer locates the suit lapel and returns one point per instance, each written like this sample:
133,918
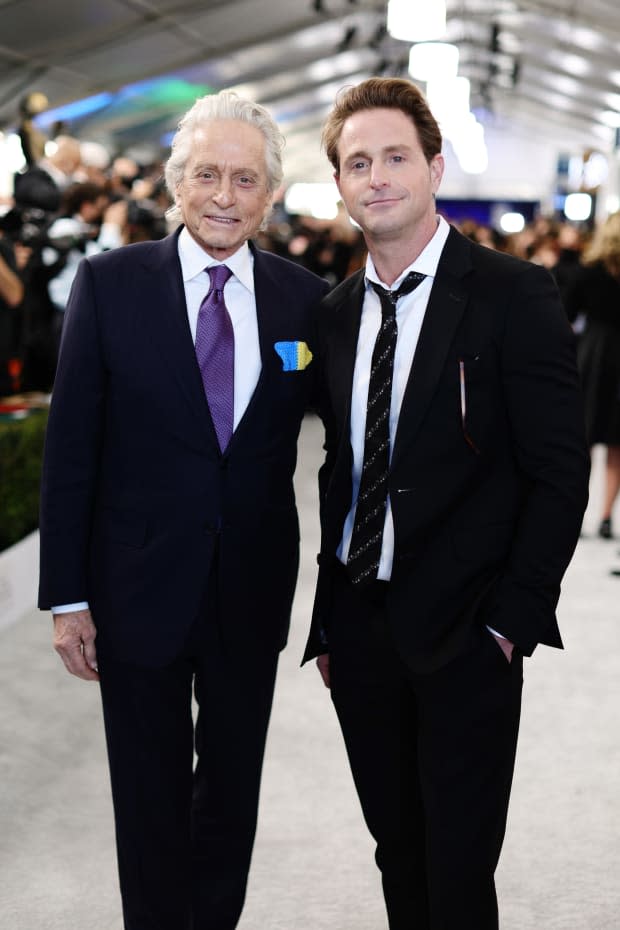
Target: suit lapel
268,309
168,324
273,318
343,329
445,308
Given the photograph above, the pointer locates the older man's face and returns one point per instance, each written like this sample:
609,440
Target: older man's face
224,194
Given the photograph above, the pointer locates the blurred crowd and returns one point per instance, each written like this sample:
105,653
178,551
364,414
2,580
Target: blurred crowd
79,200
586,266
74,202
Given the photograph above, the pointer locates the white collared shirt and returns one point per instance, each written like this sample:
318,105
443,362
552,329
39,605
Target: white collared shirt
241,306
409,318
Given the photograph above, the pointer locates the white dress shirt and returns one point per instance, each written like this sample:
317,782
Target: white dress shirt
409,318
241,306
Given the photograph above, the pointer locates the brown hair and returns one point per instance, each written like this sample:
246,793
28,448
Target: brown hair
390,93
605,246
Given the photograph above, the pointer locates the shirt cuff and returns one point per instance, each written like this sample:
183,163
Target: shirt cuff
70,608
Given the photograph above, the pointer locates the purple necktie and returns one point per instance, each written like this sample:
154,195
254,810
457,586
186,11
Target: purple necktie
215,351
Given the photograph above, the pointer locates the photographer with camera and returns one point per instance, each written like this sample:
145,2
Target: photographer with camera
88,223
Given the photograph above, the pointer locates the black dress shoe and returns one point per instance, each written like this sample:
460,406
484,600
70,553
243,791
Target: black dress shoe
616,572
604,530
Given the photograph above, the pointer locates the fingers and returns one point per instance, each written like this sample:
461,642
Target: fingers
90,657
322,663
74,641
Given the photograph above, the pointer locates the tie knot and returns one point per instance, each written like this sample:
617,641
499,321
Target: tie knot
389,298
219,275
408,284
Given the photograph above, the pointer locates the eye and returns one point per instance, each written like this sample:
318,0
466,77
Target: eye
397,158
246,181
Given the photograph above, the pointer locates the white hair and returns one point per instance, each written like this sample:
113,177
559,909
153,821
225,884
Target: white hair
224,105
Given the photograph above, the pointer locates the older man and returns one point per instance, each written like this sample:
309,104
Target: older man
168,524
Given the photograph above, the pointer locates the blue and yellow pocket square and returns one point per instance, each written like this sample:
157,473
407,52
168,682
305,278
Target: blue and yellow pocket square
295,355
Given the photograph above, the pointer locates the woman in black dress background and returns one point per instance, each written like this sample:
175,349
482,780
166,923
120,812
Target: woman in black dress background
595,294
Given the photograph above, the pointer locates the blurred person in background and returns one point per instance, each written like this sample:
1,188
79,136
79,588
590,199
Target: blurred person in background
38,338
11,296
122,175
565,270
454,484
169,532
545,250
95,162
594,298
63,162
88,224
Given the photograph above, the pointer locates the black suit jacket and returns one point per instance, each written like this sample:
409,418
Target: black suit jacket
487,509
136,496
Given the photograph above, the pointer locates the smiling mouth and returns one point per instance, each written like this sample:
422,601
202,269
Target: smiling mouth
382,202
223,220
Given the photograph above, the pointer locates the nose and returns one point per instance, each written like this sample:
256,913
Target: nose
224,195
377,175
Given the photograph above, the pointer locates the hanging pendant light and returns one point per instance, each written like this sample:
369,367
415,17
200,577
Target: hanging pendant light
430,61
416,20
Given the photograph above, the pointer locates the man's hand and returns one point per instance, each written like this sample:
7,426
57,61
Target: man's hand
74,641
322,663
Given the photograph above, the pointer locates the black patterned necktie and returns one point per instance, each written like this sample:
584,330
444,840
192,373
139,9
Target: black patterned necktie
367,537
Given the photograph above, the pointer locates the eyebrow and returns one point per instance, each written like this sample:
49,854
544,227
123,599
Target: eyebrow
386,149
209,166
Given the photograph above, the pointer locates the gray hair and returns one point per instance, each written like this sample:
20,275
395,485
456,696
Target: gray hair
224,105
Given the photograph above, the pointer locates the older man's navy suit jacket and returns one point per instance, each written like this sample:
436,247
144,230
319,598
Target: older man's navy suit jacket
137,499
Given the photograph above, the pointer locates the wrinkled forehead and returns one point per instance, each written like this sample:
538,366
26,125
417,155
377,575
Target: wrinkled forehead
232,141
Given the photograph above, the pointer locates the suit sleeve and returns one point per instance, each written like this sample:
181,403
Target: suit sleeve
72,451
316,400
543,400
317,642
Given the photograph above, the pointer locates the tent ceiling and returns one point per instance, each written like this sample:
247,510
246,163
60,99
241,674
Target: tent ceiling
547,68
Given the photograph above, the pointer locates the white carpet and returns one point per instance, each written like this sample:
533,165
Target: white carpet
313,866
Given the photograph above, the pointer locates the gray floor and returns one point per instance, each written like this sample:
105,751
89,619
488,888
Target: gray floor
313,865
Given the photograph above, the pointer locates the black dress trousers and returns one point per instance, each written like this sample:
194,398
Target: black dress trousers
432,757
184,828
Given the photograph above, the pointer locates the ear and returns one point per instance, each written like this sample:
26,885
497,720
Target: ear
337,180
436,167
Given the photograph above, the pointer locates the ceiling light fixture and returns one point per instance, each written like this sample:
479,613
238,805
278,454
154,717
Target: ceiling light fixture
433,61
416,20
578,207
449,101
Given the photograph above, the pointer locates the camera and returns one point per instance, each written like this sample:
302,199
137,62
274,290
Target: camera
37,199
